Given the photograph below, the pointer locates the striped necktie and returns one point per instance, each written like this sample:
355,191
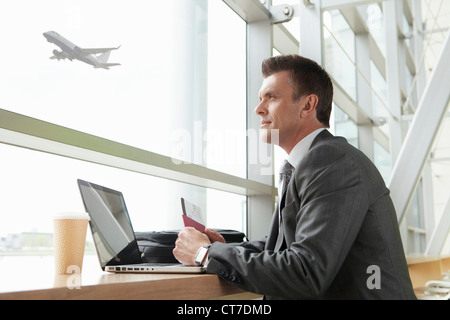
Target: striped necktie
286,171
285,176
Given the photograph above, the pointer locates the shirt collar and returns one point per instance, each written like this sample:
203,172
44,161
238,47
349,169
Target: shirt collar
301,148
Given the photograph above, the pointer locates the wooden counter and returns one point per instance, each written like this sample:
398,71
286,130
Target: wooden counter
136,287
425,268
36,280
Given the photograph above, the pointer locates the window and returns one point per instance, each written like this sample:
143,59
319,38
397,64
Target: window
37,185
340,51
179,91
169,84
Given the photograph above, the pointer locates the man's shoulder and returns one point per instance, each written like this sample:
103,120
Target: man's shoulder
325,143
329,150
326,138
335,150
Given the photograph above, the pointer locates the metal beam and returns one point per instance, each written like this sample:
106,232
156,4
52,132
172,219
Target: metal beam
339,4
23,131
377,56
425,195
259,207
284,41
249,10
364,94
418,45
418,142
282,13
354,19
393,79
311,31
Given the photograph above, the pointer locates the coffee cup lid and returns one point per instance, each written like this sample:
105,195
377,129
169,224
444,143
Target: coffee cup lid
71,215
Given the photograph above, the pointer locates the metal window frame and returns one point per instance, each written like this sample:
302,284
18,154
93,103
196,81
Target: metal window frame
23,131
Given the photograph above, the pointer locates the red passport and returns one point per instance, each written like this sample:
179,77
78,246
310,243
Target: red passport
188,222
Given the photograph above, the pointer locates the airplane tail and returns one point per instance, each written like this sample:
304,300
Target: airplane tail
103,58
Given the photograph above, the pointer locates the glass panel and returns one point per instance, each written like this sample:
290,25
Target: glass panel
379,97
36,185
170,81
382,160
375,23
225,138
340,51
345,127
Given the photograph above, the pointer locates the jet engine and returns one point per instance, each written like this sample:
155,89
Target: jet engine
60,55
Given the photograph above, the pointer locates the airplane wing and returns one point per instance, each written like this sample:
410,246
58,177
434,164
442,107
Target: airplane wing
111,64
97,50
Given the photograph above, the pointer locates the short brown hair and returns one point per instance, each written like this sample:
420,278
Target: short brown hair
307,77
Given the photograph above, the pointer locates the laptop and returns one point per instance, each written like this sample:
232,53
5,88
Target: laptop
113,234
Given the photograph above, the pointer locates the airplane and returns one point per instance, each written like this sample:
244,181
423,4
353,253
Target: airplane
95,57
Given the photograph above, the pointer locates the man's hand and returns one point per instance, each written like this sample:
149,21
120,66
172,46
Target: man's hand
186,247
190,240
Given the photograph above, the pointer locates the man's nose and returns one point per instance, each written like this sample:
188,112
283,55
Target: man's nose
260,109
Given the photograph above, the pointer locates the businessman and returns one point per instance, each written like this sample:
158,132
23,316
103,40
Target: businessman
334,233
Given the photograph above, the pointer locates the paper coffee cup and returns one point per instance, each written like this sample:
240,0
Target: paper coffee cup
69,240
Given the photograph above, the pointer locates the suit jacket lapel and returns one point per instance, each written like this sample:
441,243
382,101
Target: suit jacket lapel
280,225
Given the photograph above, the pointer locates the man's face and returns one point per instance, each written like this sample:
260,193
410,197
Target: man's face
280,114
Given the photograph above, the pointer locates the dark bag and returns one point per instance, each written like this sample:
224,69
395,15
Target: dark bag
157,246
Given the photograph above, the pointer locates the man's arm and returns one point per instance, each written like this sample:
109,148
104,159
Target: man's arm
190,240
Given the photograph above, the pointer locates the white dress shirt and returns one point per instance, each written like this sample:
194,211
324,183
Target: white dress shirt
299,151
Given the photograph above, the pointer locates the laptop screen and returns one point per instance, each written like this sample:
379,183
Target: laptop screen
110,224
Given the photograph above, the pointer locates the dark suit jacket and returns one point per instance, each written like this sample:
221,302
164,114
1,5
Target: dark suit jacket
341,235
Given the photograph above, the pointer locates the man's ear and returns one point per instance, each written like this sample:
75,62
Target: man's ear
309,104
